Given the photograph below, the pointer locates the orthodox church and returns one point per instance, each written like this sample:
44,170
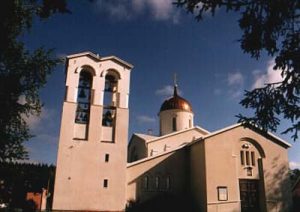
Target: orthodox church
237,168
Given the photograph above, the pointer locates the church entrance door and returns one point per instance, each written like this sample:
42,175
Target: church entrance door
249,193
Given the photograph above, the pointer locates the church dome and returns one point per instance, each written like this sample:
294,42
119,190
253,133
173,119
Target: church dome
176,102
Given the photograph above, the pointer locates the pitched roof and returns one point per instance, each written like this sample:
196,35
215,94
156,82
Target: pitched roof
155,156
282,142
145,136
258,130
178,132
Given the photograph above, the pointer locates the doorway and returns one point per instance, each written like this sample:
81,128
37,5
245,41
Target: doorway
249,193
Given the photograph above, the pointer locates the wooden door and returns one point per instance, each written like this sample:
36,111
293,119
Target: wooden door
249,193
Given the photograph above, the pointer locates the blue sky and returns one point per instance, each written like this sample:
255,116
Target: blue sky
159,40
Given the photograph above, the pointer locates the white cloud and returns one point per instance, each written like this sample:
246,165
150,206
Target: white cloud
235,82
115,8
294,165
235,93
167,90
235,79
270,76
145,119
34,121
162,10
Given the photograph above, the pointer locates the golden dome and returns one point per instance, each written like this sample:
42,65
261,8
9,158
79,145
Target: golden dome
176,102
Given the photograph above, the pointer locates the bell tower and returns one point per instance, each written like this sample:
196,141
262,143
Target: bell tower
92,152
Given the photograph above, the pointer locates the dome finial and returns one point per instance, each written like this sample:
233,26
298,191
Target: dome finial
175,84
175,79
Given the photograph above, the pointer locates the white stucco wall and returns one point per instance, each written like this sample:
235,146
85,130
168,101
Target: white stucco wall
81,166
184,120
173,140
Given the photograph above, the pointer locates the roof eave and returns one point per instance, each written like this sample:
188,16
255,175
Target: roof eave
98,58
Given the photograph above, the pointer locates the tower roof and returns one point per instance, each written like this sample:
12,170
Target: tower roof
176,102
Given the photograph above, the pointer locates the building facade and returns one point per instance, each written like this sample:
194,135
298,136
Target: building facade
238,168
91,162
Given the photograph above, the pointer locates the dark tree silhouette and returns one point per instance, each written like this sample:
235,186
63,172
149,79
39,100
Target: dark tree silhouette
294,175
273,26
16,179
22,72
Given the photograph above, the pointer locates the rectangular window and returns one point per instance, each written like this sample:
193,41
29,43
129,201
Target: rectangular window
105,183
249,172
174,128
157,182
247,158
168,182
222,193
146,182
106,157
253,158
242,158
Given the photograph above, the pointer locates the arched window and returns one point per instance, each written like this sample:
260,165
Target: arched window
110,100
248,158
84,97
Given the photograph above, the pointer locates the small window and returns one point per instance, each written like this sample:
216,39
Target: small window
157,182
106,157
222,193
146,182
168,182
174,128
190,123
249,171
253,158
242,158
247,158
105,183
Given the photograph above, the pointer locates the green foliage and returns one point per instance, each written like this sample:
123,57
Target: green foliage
22,72
273,26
